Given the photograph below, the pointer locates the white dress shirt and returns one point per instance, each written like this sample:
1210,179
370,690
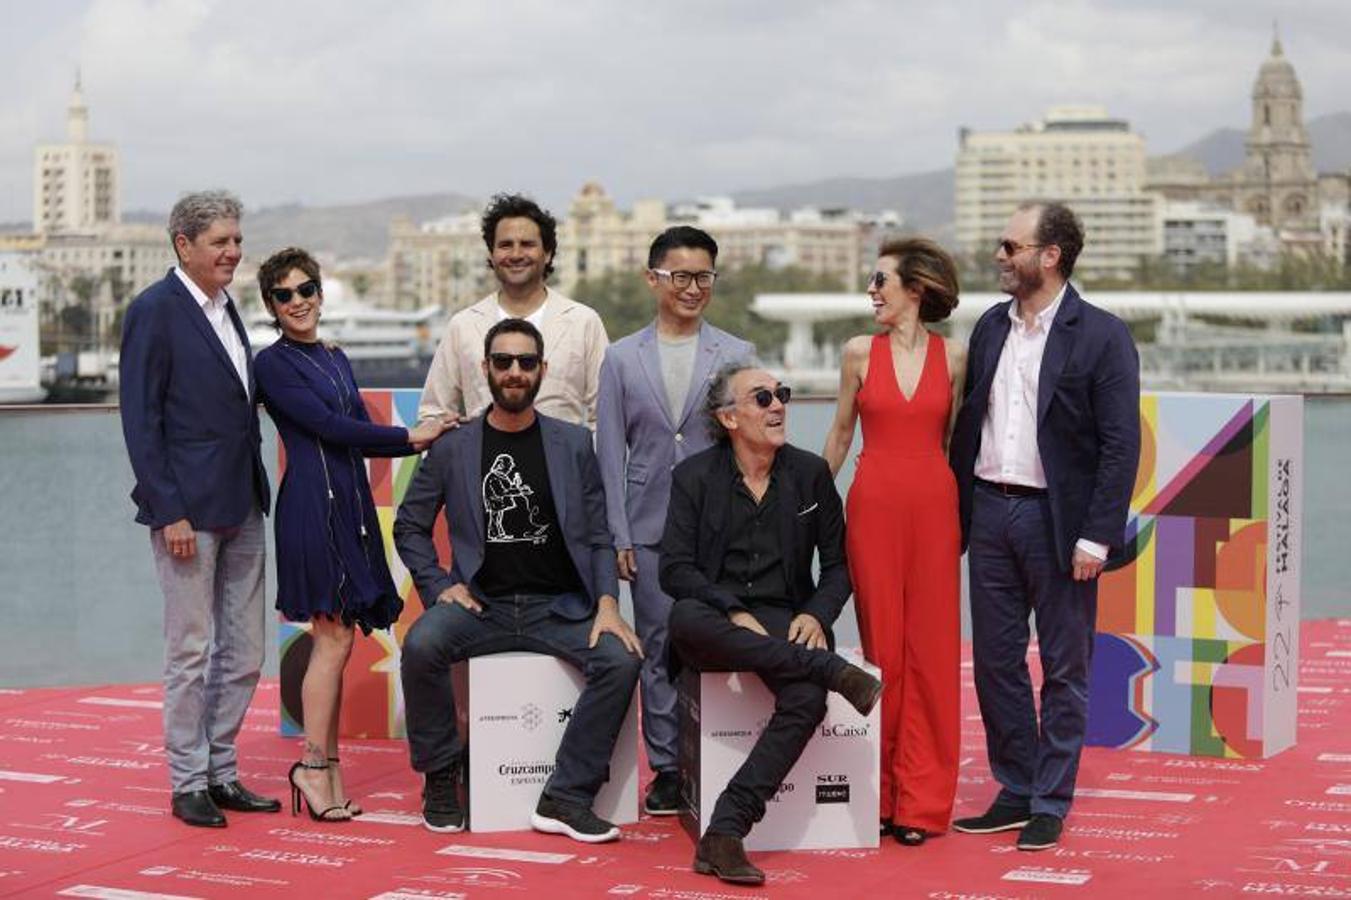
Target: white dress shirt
1008,436
214,307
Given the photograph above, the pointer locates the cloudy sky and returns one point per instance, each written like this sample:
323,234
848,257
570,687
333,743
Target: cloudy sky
320,102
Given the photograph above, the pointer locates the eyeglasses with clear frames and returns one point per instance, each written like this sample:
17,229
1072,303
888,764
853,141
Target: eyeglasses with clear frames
681,280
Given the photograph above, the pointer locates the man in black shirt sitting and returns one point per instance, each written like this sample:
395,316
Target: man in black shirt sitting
745,518
532,568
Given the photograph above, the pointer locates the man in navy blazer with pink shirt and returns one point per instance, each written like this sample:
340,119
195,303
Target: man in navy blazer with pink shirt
190,420
1045,450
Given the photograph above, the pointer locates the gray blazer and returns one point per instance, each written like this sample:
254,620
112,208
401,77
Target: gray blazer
451,476
636,441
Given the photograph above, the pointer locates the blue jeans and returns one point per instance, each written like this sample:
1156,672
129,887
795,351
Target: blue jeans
1014,574
448,633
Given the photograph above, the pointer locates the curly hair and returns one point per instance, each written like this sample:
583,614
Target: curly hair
278,266
518,206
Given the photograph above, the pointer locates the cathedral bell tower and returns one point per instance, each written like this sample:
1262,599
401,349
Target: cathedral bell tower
1280,181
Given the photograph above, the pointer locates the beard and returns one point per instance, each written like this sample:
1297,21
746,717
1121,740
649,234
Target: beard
1021,281
518,402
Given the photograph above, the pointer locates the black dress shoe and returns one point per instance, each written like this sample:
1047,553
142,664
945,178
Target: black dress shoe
663,795
196,808
724,855
1041,833
997,818
233,795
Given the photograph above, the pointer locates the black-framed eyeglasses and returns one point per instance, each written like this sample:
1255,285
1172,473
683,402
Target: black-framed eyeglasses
1012,248
681,280
528,362
283,296
763,397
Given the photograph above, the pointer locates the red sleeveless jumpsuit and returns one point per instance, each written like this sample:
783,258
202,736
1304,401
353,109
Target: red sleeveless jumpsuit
904,546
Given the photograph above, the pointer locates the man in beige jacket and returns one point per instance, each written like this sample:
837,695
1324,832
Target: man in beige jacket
521,239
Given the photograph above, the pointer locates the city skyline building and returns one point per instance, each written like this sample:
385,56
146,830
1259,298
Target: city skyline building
443,262
1277,183
1077,154
76,184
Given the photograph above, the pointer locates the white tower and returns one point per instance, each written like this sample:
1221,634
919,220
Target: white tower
75,184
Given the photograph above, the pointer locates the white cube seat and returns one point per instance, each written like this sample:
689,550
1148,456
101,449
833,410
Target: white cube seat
829,799
512,709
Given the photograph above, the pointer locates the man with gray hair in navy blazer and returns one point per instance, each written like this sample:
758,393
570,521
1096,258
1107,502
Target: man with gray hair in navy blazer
190,420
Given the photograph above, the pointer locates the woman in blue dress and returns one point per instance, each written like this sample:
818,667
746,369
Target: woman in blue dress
331,568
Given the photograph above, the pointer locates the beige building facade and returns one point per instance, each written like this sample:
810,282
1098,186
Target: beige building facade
1076,154
75,184
445,262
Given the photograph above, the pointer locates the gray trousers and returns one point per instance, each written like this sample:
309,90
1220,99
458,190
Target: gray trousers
651,615
213,648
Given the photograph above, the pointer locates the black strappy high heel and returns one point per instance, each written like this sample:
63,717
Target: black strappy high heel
297,795
352,809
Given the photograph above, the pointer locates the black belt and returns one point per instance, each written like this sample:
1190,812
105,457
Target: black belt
1013,490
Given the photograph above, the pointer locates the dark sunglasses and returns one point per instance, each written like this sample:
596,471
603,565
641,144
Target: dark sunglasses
1013,248
876,281
528,362
306,289
764,396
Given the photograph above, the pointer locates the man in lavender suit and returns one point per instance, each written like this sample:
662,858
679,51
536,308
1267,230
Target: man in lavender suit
653,385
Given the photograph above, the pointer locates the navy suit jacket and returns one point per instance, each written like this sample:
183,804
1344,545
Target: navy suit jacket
451,477
1088,420
190,426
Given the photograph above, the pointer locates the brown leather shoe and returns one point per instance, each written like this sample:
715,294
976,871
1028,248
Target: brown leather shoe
724,856
858,687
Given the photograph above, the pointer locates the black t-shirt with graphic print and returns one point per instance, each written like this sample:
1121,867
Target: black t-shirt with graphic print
523,550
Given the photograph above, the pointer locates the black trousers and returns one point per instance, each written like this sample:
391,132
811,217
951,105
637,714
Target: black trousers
706,639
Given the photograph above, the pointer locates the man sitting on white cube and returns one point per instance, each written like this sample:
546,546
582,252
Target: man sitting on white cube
532,568
746,517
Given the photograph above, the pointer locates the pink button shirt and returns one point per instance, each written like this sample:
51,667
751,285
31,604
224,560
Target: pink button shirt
1008,436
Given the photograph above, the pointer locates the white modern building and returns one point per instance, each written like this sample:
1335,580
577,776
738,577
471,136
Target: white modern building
1198,234
76,183
1076,154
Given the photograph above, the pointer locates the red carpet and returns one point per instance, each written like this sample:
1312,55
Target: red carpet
84,813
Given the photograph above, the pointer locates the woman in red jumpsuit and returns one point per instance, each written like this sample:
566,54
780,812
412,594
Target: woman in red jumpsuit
903,538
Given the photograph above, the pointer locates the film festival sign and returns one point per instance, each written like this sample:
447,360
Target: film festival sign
1198,623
